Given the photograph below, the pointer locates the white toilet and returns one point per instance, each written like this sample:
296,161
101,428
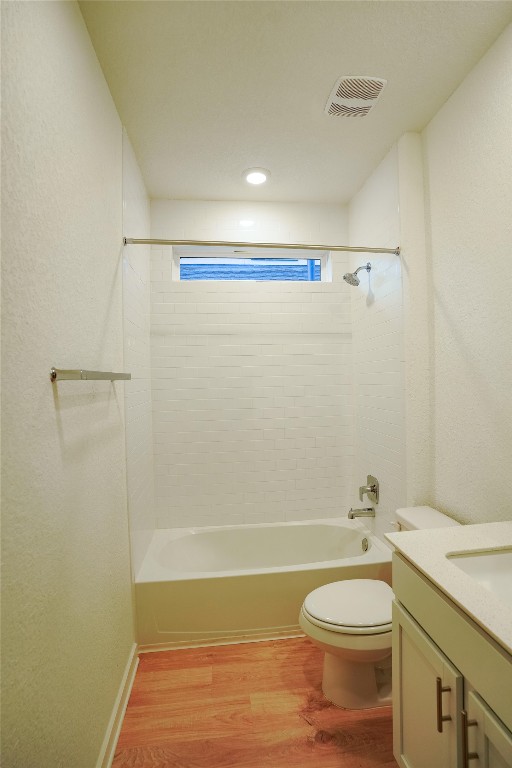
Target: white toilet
351,622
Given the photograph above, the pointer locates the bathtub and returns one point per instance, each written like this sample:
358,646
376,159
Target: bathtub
234,583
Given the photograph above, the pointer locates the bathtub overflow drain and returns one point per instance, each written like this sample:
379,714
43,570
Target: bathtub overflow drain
364,545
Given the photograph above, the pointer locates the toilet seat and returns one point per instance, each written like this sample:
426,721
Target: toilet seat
354,607
348,630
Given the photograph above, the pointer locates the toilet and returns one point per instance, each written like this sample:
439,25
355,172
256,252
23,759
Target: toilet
351,622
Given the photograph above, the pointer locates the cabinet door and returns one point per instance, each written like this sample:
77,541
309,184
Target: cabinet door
488,743
426,727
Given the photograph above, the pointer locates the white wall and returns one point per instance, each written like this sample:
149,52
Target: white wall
252,410
377,315
468,161
67,626
137,358
417,325
271,222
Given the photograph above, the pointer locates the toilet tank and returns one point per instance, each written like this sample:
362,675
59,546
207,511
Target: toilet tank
419,518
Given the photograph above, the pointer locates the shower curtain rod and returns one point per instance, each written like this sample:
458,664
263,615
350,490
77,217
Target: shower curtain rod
292,246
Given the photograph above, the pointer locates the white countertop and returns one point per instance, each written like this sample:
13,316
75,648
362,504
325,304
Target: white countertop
427,550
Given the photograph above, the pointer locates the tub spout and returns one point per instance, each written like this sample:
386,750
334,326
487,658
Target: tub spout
365,512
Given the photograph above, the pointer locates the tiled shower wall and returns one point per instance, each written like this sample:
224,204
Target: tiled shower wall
252,382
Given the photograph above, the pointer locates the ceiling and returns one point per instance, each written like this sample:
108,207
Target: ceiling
207,89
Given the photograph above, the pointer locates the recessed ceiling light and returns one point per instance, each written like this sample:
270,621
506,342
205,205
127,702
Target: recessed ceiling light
256,175
246,223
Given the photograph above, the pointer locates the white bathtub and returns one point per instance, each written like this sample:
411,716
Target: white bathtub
207,585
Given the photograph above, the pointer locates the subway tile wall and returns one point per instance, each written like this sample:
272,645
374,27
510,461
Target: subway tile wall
251,382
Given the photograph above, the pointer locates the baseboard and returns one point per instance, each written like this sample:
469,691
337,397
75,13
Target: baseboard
116,719
253,637
108,748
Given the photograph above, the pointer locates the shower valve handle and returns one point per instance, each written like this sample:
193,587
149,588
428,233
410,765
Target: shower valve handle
371,489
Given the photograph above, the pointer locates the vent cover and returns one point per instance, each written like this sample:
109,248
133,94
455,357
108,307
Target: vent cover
354,96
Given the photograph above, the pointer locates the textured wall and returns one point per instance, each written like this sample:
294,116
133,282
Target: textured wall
468,162
252,398
377,314
137,357
67,624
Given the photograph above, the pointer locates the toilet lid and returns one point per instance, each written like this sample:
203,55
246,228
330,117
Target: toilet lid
355,603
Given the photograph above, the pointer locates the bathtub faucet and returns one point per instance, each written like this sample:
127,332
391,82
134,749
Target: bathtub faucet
365,512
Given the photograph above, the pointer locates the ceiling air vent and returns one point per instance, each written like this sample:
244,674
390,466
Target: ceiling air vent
354,96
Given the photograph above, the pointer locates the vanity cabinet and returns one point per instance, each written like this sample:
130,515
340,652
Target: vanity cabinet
484,735
452,684
427,695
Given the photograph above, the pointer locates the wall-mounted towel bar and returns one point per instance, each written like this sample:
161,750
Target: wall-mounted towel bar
59,374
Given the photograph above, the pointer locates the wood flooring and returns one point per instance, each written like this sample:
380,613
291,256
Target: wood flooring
252,705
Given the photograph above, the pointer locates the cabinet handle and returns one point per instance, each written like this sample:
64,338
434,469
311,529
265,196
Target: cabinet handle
466,754
440,689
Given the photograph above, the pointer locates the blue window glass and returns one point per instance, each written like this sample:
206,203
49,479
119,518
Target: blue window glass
249,269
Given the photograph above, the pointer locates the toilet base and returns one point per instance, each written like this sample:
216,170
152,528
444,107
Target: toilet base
354,685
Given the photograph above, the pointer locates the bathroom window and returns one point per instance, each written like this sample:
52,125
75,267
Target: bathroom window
250,269
256,264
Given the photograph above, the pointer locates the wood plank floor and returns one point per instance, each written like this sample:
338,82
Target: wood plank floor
253,705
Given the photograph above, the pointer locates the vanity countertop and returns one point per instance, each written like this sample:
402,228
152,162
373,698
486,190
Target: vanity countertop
427,550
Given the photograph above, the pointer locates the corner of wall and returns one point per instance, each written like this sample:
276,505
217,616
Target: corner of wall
377,321
113,730
417,320
137,354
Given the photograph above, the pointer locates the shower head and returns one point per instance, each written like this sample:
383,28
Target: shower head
351,277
